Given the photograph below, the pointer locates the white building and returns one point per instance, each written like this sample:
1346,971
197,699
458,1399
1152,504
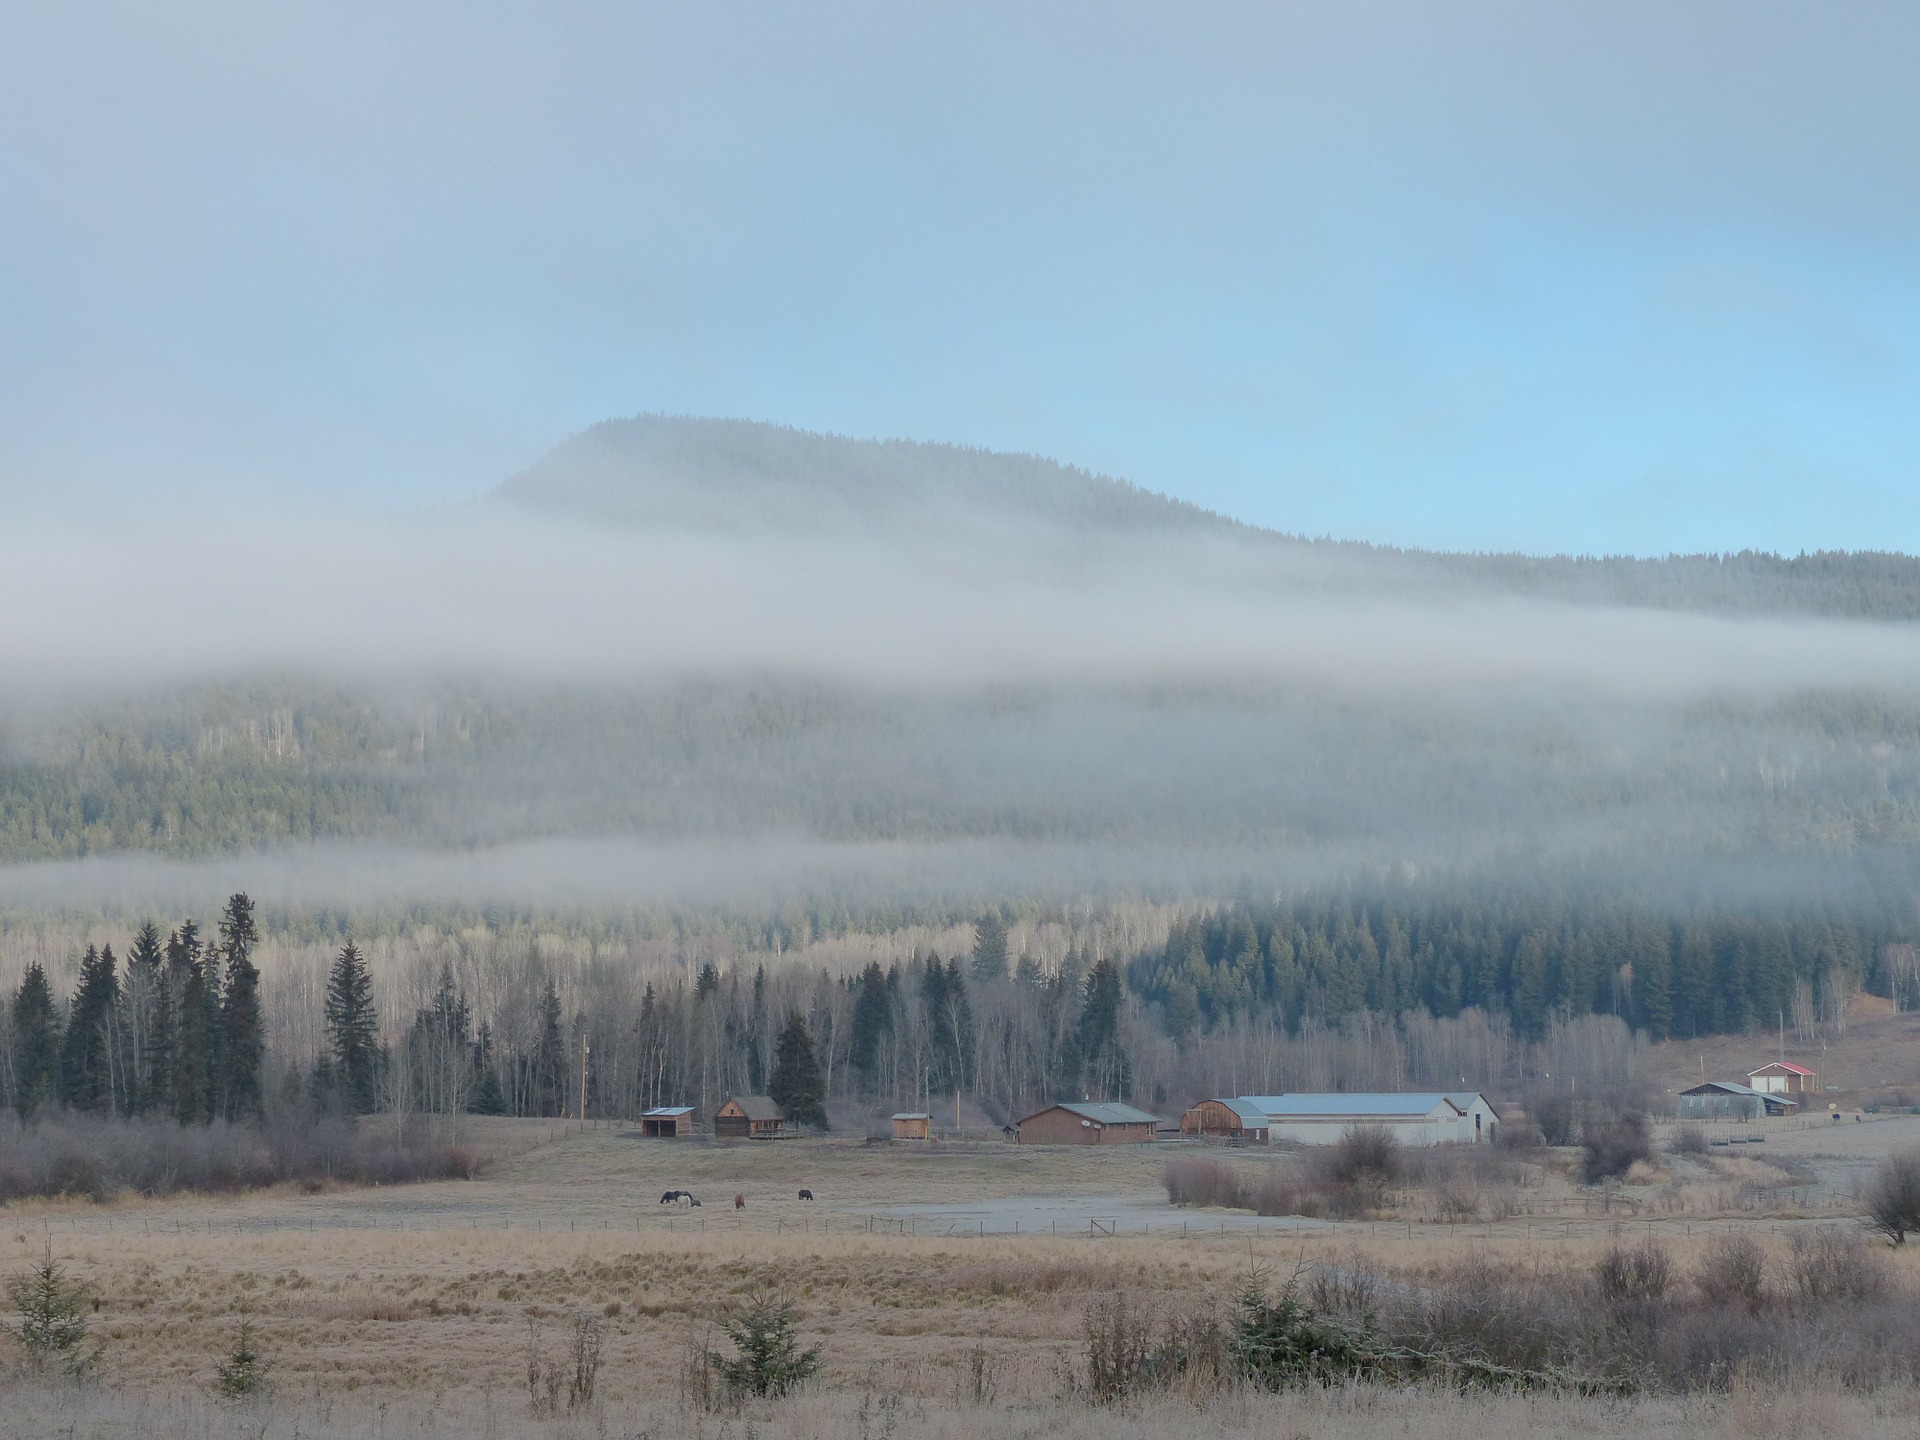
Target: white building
1420,1119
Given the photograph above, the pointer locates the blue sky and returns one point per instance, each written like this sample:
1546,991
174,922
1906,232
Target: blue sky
1588,277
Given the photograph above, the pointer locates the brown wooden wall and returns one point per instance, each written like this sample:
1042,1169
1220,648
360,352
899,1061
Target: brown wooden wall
1063,1127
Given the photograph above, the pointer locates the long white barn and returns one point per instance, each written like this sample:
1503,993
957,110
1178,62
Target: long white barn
1434,1118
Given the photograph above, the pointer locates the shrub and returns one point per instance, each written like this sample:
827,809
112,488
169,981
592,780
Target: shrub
1640,1276
1612,1146
1355,1171
1130,1350
1892,1196
768,1359
1832,1265
1733,1270
1558,1118
1688,1140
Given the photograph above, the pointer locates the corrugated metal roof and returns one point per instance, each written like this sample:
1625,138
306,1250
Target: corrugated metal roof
1108,1113
1725,1087
1465,1100
1247,1110
1787,1065
1336,1106
913,1115
758,1107
666,1112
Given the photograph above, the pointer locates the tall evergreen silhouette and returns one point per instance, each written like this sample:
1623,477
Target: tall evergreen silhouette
87,1055
797,1087
242,1039
353,1030
36,1044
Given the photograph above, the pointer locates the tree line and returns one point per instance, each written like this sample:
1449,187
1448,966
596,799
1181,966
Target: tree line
176,1033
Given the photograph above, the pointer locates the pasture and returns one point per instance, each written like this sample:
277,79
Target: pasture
917,1269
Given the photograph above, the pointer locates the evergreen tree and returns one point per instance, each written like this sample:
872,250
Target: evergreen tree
550,1059
149,1022
872,1014
1101,1054
353,1031
36,1044
990,948
488,1096
797,1087
189,1083
87,1056
242,1045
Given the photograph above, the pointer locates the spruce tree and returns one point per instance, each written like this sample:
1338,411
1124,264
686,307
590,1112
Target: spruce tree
353,1030
872,1014
990,947
797,1087
242,1037
187,982
87,1055
149,1018
550,1060
36,1044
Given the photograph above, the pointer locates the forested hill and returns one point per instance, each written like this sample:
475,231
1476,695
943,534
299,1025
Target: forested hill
741,475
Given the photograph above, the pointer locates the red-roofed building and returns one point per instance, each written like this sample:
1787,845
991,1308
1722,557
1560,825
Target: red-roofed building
1783,1077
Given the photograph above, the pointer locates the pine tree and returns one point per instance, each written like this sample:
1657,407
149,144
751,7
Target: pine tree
187,980
1099,1031
872,1014
353,1030
488,1097
990,947
36,1044
87,1055
243,1040
797,1087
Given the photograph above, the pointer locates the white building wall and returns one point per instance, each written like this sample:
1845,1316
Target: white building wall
1433,1130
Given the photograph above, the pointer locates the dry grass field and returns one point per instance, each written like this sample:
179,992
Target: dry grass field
424,1301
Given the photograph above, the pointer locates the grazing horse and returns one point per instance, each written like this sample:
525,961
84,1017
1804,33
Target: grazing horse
739,1202
806,1194
671,1196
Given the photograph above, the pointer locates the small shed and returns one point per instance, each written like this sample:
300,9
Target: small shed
1783,1077
667,1122
912,1125
1730,1100
1226,1119
749,1117
1088,1123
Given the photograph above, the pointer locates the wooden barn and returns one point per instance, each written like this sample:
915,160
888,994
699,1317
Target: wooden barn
749,1117
1226,1119
667,1122
912,1125
1088,1123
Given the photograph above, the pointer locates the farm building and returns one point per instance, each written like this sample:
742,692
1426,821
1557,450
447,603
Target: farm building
1480,1114
667,1122
912,1125
1321,1119
1783,1077
1224,1119
1730,1100
1088,1123
749,1117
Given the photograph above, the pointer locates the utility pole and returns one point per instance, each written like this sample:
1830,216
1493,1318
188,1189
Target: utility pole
585,1050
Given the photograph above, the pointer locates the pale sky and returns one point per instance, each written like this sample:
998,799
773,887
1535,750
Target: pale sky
1588,277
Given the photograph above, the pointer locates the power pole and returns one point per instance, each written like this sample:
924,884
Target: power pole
585,1050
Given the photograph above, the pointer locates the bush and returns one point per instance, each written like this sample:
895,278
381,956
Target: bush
1688,1140
1733,1271
1558,1118
100,1157
1892,1196
1612,1146
1640,1276
1831,1265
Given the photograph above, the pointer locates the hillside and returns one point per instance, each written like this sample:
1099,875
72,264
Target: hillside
743,476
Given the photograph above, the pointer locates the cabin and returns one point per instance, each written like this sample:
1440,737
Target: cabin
1730,1100
1088,1123
1232,1120
912,1125
750,1117
1426,1118
667,1122
1783,1077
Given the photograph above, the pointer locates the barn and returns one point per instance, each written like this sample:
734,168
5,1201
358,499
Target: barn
1088,1123
1481,1116
1226,1119
667,1122
912,1125
1730,1100
1783,1077
1321,1119
749,1117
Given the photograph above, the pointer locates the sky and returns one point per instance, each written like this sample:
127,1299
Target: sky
1575,277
